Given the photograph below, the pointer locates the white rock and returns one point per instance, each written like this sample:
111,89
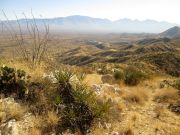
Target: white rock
107,125
10,128
115,133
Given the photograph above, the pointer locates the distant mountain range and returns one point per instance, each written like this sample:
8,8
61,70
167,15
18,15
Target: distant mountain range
79,23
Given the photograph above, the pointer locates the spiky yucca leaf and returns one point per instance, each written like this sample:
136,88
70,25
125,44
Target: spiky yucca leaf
63,76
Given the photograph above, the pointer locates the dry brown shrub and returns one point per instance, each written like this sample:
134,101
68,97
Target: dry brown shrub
52,118
15,111
35,131
159,111
38,121
126,129
135,96
175,131
168,95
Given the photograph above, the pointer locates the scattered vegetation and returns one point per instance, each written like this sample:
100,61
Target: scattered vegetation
167,62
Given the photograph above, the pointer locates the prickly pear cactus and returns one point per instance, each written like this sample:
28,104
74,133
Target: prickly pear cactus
13,81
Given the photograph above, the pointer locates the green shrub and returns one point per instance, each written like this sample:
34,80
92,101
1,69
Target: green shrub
80,107
13,81
133,76
118,75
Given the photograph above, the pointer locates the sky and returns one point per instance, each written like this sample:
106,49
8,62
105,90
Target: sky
159,10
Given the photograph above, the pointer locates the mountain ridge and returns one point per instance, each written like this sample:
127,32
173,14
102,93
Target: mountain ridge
173,32
78,23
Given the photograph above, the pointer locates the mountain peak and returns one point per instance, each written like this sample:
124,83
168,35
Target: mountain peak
172,32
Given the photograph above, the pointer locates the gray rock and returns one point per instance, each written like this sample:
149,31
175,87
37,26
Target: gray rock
10,128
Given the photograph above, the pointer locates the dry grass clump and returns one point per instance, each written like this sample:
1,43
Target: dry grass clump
126,130
35,131
98,131
175,131
39,125
15,111
120,106
168,95
134,116
136,96
159,111
158,126
11,111
92,79
2,116
2,106
52,119
38,121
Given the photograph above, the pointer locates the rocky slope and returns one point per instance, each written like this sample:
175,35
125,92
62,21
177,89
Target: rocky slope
173,32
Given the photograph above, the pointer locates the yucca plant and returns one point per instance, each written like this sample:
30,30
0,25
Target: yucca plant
80,106
63,76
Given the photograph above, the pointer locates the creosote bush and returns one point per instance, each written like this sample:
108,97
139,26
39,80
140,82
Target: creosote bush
118,75
13,81
133,76
77,105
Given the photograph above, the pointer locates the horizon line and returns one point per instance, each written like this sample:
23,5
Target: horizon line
90,17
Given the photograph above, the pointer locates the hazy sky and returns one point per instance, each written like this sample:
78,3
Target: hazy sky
160,10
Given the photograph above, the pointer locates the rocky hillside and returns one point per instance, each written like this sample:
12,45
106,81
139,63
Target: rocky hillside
172,32
150,51
152,108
